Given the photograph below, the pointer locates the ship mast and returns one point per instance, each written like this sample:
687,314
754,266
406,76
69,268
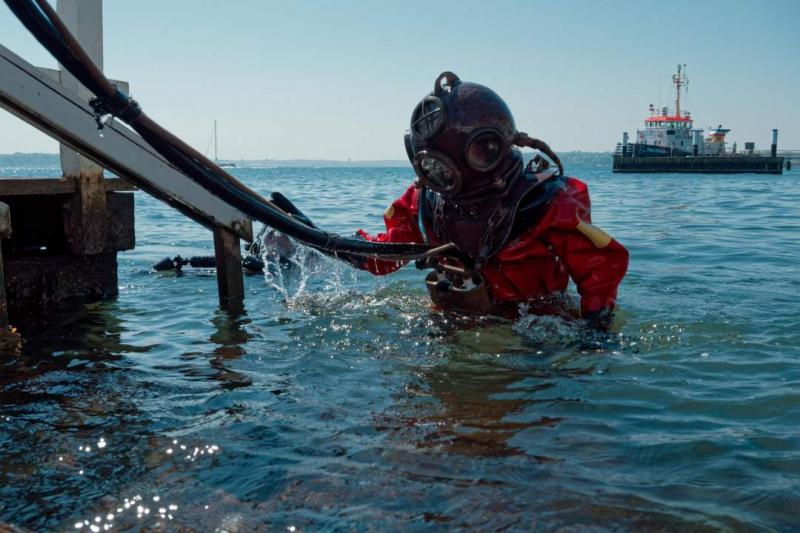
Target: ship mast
679,80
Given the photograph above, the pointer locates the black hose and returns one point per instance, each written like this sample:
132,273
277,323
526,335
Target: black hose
258,208
45,25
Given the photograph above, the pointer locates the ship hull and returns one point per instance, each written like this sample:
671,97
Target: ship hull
651,150
735,164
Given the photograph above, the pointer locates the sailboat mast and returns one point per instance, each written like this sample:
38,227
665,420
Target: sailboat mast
215,140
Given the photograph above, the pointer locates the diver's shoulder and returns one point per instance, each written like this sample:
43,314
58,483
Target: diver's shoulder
571,189
408,202
570,203
409,196
575,185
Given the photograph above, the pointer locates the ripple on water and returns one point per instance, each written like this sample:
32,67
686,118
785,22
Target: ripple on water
340,401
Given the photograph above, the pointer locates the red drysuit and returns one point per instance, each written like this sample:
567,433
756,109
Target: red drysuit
539,261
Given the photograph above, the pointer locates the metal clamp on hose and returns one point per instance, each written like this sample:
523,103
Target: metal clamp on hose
121,105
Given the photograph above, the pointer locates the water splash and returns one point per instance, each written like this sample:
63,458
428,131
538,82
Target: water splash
300,273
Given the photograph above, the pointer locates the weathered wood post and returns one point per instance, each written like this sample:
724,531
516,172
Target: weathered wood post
230,278
10,339
5,232
86,215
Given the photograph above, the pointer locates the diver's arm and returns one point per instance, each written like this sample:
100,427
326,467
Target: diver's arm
596,262
400,219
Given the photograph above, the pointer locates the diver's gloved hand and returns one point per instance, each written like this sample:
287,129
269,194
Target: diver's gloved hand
287,206
601,319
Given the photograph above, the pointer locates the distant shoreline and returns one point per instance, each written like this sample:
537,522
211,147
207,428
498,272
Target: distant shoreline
47,160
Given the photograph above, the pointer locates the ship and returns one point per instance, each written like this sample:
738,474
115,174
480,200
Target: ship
669,142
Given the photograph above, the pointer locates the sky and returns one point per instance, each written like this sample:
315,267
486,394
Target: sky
339,79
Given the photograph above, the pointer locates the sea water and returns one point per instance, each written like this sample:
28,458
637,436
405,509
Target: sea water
338,400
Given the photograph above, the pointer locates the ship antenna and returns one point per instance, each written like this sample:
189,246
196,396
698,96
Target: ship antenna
679,80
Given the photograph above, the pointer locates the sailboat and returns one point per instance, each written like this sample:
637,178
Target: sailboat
223,163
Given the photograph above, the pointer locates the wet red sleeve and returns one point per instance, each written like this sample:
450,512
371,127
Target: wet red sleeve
594,260
597,272
401,227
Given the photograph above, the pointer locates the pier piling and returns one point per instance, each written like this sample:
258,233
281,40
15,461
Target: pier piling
230,279
5,232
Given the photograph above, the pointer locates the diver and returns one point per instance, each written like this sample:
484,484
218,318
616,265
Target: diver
520,231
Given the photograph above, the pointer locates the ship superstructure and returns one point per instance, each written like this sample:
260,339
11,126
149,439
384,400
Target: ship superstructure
665,133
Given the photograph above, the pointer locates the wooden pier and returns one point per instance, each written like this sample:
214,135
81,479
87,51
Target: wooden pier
61,245
60,236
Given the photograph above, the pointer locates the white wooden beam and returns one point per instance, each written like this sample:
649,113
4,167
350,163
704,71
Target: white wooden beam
84,19
31,95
